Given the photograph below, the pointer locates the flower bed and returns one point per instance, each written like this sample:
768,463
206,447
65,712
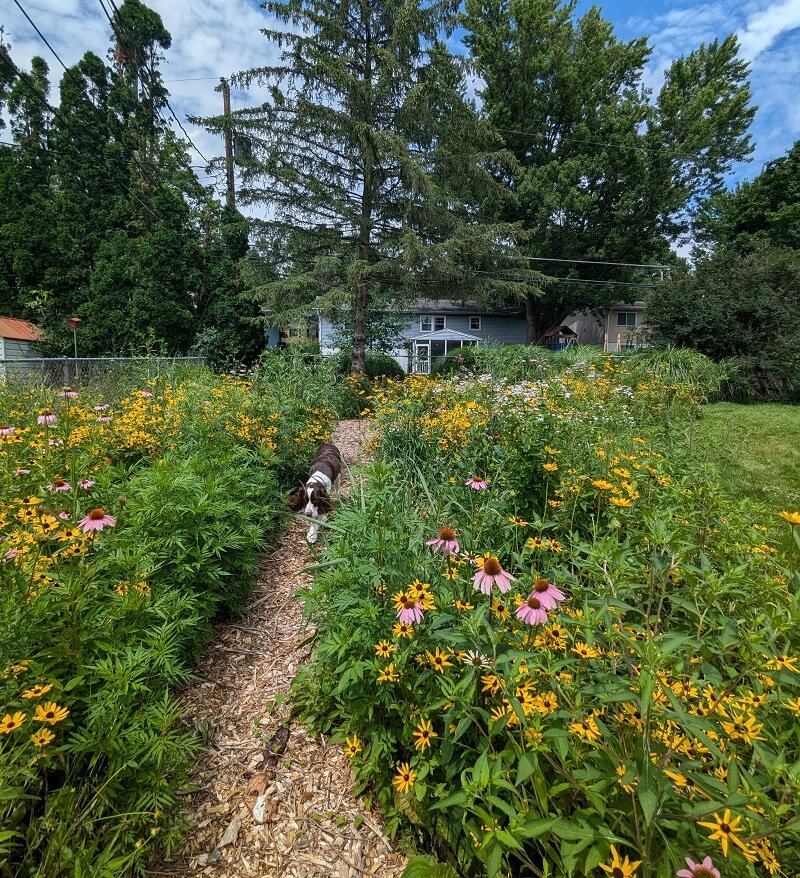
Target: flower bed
552,646
127,525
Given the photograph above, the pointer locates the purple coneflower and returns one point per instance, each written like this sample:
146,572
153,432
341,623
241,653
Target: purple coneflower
96,520
699,870
446,542
55,443
6,430
10,555
46,418
548,595
102,408
491,573
22,472
103,419
68,393
477,483
86,484
59,485
145,394
408,608
532,612
64,515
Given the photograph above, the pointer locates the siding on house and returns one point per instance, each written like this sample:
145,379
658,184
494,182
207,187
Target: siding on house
621,334
14,349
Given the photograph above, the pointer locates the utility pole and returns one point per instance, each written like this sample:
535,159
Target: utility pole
230,195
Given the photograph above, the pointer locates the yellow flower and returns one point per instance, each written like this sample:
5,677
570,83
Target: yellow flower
744,729
519,522
791,517
384,649
586,651
403,629
424,734
620,868
51,713
622,502
550,467
37,691
535,543
783,663
388,674
628,787
794,705
439,660
352,746
42,738
602,485
491,683
464,605
404,779
16,668
725,829
451,573
586,729
9,723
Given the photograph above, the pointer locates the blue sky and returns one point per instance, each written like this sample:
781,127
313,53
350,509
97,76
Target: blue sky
217,37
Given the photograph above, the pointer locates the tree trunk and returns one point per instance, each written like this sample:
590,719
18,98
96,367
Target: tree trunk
534,325
360,327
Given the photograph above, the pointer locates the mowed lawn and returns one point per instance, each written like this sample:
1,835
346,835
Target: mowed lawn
755,448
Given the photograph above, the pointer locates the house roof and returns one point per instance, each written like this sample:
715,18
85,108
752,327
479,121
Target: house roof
19,330
457,306
446,335
560,330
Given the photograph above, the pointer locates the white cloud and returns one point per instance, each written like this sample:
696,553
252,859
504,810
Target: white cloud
765,26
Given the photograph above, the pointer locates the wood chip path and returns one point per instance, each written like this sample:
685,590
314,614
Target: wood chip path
313,824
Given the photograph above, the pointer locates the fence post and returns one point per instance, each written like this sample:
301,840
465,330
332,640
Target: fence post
65,371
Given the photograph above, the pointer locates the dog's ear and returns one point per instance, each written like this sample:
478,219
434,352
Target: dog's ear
297,499
325,502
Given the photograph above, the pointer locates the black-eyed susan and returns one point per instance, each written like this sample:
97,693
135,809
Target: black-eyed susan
550,467
384,649
50,712
451,573
37,691
621,502
388,674
743,727
424,734
518,522
11,721
603,485
352,747
491,683
464,605
585,651
403,629
783,663
725,830
627,784
791,517
620,868
439,660
405,777
586,729
42,738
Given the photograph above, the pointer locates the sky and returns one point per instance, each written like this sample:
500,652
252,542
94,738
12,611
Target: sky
216,38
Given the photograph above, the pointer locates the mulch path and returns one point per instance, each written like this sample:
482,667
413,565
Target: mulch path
311,823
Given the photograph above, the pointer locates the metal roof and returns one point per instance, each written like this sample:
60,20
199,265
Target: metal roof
19,330
446,335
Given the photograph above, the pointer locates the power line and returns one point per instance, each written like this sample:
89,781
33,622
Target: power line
597,262
42,37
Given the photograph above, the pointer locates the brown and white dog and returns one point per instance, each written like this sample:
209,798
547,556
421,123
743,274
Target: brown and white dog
314,499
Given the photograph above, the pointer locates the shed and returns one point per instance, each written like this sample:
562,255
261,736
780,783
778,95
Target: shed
17,338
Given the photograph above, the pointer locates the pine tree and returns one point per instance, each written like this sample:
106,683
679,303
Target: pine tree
371,165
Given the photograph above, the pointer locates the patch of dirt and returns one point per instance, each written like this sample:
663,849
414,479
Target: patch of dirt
298,787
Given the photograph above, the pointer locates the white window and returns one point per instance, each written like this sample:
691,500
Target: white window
429,323
475,323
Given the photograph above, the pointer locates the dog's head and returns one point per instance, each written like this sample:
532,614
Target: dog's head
312,500
297,499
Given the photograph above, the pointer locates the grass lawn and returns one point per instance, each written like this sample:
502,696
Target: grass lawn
755,448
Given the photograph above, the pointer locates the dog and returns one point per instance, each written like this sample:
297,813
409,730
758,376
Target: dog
315,497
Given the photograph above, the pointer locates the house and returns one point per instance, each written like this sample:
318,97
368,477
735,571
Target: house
17,339
625,327
436,328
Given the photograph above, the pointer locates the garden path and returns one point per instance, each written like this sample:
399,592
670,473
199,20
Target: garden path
313,824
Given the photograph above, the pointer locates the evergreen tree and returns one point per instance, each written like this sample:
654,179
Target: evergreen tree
371,165
602,173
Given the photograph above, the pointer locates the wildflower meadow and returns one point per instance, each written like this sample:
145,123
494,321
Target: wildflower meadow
129,521
550,644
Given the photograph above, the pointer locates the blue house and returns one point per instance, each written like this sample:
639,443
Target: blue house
438,327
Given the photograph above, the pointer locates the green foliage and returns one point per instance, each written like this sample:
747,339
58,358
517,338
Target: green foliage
619,171
376,365
738,306
99,629
656,696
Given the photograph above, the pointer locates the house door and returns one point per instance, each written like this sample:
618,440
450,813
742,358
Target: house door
422,364
438,350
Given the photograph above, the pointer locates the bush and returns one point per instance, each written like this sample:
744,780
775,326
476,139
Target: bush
376,365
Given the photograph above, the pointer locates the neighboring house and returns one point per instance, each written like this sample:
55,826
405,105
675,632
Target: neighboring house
438,327
625,327
17,339
302,331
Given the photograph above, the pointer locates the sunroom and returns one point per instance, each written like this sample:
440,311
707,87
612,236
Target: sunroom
428,347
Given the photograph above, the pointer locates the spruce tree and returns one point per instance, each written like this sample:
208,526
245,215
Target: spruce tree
370,165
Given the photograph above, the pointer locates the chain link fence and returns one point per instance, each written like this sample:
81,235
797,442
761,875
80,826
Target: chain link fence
87,371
